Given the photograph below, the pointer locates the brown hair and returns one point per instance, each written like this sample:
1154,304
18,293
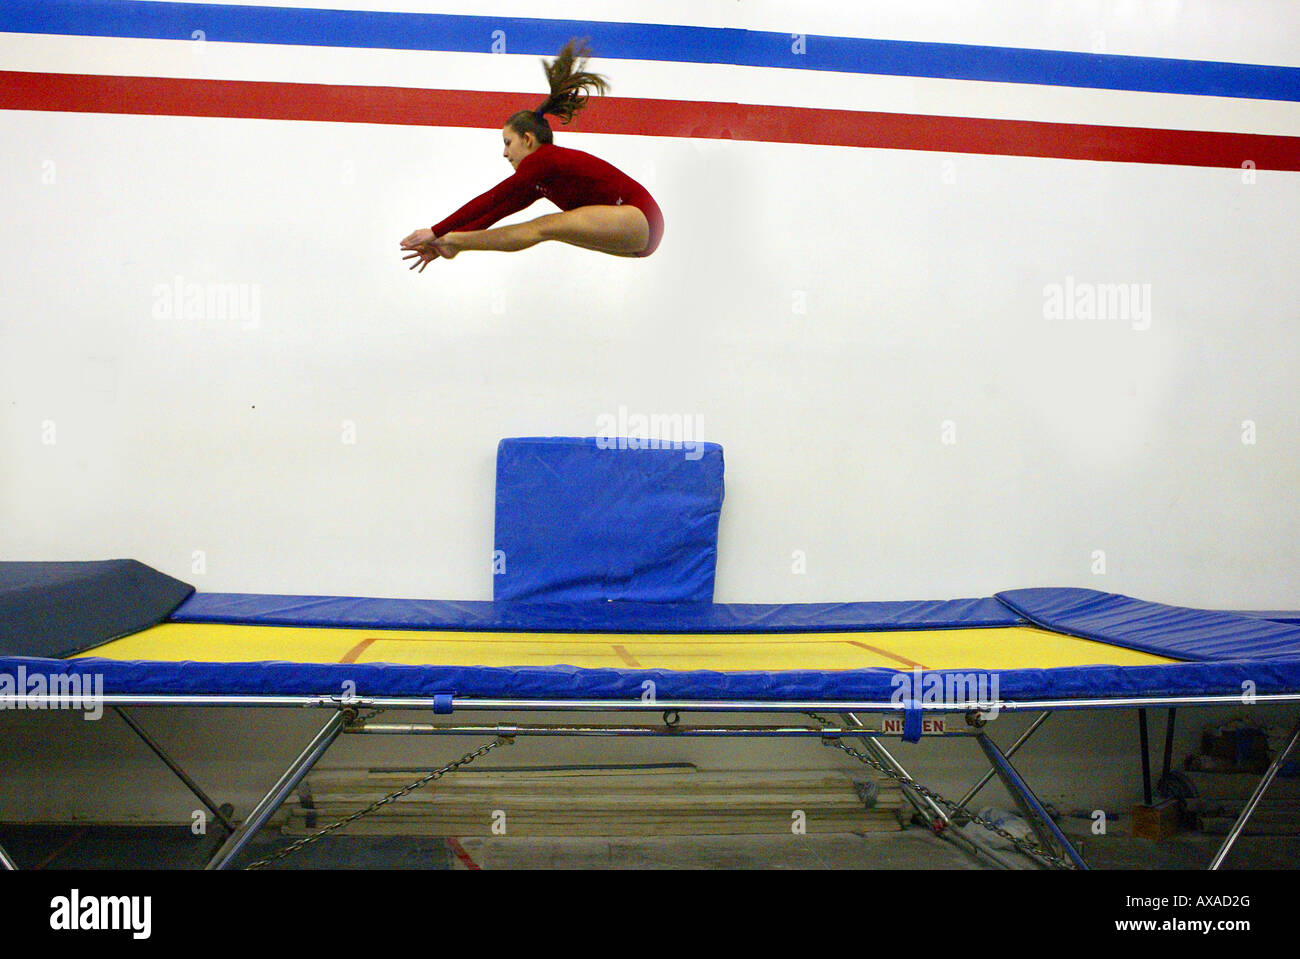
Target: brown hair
569,84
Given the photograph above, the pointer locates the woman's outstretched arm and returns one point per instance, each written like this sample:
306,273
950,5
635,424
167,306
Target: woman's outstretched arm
509,196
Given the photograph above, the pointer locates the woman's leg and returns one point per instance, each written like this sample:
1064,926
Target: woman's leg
620,230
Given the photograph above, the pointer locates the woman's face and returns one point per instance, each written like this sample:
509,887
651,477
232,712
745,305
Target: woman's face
517,147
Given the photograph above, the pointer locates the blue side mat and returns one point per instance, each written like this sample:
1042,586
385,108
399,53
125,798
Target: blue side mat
579,520
1290,616
567,682
57,609
326,611
1175,631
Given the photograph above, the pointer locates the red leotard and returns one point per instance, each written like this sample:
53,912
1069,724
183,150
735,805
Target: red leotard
569,179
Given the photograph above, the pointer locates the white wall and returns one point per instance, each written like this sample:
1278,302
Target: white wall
923,276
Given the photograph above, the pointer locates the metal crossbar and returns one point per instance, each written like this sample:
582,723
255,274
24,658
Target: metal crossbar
464,704
218,812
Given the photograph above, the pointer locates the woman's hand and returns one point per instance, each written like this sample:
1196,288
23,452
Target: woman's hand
417,239
423,257
425,248
420,243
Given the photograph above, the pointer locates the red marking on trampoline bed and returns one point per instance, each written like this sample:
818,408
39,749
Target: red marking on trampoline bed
257,99
465,858
351,655
624,655
887,654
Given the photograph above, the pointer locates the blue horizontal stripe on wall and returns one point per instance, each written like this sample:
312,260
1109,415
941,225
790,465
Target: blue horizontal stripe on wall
642,41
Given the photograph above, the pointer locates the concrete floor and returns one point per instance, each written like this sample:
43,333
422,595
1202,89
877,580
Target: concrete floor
136,847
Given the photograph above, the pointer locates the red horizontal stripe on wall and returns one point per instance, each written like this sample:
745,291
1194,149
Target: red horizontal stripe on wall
162,96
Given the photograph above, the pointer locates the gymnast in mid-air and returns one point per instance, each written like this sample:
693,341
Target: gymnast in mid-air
604,208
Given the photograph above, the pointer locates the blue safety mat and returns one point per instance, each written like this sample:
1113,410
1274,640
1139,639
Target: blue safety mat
1276,615
567,682
623,617
587,520
61,608
1178,632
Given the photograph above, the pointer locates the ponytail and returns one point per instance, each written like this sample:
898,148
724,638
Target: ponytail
569,84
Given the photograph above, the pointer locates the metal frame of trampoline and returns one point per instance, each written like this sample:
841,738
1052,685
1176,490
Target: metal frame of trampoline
346,718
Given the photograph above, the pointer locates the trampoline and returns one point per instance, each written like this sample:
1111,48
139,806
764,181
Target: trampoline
885,669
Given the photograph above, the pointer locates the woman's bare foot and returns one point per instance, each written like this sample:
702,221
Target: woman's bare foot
446,245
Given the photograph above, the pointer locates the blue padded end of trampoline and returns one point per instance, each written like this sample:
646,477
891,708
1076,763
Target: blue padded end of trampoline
588,520
1179,632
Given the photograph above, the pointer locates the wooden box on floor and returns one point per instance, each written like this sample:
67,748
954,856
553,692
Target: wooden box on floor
1157,821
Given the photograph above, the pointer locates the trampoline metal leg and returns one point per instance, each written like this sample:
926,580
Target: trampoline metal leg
926,807
1146,756
1015,747
1265,781
175,767
269,803
1167,762
1048,832
933,814
930,811
5,862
